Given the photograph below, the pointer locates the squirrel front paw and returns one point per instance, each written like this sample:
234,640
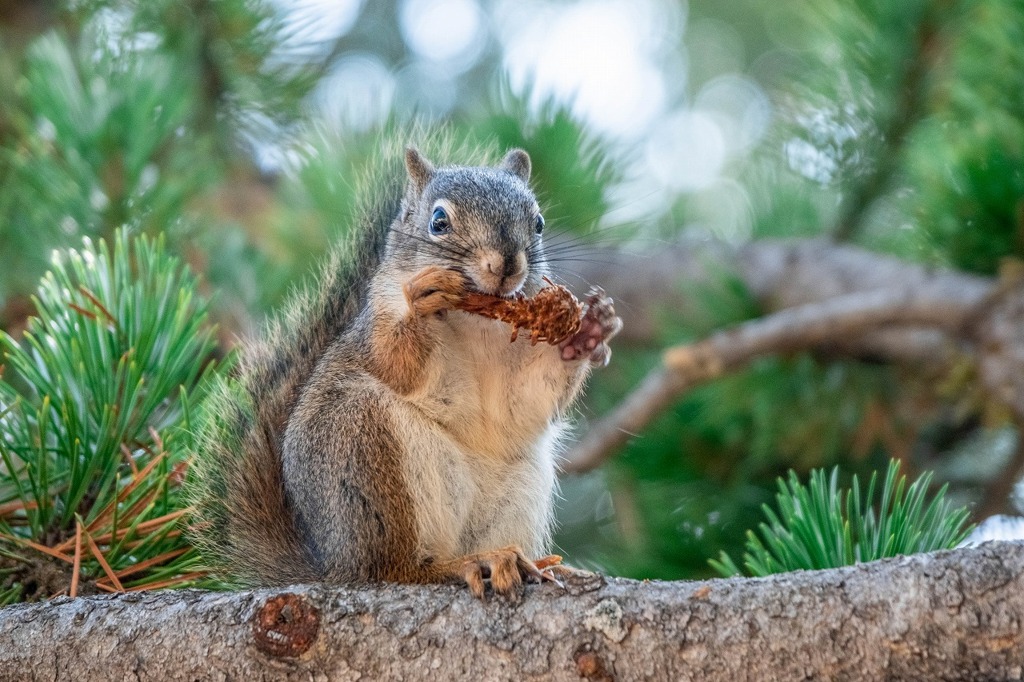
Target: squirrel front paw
598,326
434,289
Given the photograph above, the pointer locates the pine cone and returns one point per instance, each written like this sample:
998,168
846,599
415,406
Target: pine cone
553,315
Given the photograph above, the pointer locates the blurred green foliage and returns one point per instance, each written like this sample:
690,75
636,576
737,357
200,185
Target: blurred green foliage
898,126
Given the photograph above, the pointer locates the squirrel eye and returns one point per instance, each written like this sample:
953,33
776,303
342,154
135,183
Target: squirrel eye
439,223
539,227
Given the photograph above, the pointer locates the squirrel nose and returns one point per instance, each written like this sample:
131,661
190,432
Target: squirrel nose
503,272
504,266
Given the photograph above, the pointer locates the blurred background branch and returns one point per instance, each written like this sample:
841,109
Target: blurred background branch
801,328
909,99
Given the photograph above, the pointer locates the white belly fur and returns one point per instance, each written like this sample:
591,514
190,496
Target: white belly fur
486,429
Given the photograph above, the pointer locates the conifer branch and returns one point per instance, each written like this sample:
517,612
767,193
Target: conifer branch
92,407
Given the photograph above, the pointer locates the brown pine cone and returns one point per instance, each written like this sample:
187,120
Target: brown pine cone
553,315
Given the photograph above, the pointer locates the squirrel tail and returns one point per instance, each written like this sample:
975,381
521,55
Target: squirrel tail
242,522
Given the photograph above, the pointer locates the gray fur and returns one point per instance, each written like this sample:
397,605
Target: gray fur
518,163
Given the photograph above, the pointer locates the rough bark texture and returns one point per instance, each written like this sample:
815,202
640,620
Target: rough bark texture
945,616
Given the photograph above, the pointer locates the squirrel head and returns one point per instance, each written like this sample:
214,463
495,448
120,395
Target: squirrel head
484,222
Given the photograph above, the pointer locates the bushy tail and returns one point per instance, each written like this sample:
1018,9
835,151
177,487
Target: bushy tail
242,521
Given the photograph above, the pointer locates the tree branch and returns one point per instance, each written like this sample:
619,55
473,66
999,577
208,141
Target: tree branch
956,314
948,615
648,285
801,328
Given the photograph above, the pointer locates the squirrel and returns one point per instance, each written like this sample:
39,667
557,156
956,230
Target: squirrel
378,433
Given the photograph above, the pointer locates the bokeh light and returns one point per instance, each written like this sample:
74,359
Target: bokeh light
358,92
446,32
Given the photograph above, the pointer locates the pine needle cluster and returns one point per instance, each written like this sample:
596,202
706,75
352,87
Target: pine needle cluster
820,525
95,400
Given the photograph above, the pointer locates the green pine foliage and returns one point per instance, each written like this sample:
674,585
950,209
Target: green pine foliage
820,525
93,402
95,147
903,121
136,113
968,159
898,126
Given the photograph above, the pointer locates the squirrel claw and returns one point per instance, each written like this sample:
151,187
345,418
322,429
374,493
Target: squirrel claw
552,579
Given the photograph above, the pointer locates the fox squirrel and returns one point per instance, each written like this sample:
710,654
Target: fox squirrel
379,433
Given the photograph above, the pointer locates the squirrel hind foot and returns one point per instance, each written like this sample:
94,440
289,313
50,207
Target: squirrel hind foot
505,569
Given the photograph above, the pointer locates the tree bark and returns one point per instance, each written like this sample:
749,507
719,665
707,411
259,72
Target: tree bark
945,616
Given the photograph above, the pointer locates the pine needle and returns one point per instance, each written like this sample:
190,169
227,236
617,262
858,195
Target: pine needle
38,547
17,505
146,526
172,582
103,563
77,565
155,561
129,459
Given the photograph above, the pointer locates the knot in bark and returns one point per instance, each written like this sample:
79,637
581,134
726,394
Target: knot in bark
286,625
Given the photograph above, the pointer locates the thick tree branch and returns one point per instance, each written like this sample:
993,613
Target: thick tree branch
949,615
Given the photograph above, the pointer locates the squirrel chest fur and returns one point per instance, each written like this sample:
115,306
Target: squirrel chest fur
414,442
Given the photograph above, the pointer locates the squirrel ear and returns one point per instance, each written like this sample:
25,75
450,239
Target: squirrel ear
517,162
420,170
